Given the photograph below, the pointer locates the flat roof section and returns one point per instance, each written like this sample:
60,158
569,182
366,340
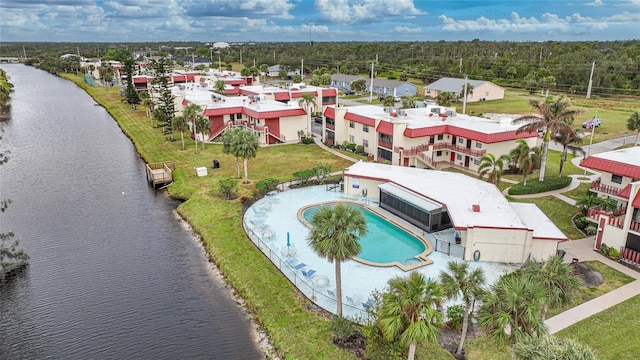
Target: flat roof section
409,197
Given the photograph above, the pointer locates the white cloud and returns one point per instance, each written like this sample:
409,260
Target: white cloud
595,3
350,12
406,29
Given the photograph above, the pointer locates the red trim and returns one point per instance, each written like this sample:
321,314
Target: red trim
611,166
179,78
223,111
185,102
636,201
281,95
359,119
247,92
329,92
233,91
141,79
330,113
273,114
466,133
385,128
625,192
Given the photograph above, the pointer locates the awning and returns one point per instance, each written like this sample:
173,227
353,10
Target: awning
385,128
415,200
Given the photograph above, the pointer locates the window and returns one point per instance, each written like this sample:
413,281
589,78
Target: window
460,140
439,153
459,157
616,179
365,128
479,145
365,143
486,94
476,162
239,116
440,137
351,138
352,124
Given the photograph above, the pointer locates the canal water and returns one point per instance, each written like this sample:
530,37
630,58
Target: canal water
114,273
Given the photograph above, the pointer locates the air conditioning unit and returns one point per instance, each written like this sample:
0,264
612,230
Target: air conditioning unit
401,113
451,113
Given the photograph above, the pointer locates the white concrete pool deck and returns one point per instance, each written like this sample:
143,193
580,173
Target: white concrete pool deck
279,213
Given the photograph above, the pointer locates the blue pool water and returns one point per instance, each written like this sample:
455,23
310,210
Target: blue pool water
385,242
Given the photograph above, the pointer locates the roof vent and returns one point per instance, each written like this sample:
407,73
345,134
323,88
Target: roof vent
475,208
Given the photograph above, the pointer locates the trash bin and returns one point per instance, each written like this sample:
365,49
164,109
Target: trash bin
215,165
561,253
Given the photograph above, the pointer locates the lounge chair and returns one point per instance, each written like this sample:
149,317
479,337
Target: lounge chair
259,224
354,301
299,266
321,281
369,303
308,274
291,261
257,211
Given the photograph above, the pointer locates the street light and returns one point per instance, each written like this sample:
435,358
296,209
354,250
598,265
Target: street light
624,139
593,128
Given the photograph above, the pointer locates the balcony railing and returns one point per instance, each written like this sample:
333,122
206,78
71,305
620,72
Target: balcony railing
426,159
616,217
414,151
606,189
630,256
385,144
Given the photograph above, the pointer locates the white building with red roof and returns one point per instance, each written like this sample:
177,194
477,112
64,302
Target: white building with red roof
487,226
619,181
433,136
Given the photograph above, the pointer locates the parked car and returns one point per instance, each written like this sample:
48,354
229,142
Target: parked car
397,99
318,119
429,102
349,92
593,122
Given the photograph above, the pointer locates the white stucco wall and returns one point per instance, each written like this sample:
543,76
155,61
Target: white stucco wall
498,245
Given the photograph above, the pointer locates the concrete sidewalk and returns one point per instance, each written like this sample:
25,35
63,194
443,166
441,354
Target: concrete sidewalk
583,251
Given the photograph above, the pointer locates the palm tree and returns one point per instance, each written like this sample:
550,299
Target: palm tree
179,124
335,236
228,139
204,125
511,309
459,281
410,311
149,106
492,167
220,87
556,278
569,141
445,98
358,85
469,90
191,114
528,158
554,115
388,101
245,146
633,124
307,101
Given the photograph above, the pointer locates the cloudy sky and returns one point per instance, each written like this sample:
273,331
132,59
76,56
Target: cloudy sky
318,20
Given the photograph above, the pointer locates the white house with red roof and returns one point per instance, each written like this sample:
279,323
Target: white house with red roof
433,136
620,181
486,226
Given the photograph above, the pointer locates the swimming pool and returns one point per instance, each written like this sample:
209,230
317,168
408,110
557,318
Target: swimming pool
386,243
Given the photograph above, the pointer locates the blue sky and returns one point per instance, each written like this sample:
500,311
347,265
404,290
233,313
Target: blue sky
318,20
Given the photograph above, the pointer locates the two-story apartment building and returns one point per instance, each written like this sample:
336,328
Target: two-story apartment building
620,181
433,136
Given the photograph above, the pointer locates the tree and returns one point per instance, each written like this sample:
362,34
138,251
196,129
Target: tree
335,235
219,87
445,98
227,187
549,347
469,90
228,139
179,124
203,125
554,115
388,101
358,85
149,105
591,199
408,102
165,108
245,145
410,311
570,141
556,279
511,309
307,101
191,114
460,281
633,124
526,157
131,93
282,74
492,167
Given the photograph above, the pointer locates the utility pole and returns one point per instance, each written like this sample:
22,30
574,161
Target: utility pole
219,63
302,70
593,128
464,99
371,86
460,66
240,56
593,66
254,62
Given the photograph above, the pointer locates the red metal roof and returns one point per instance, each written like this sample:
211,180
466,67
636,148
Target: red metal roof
636,201
329,92
273,114
330,112
426,131
179,78
612,167
235,81
385,128
281,95
247,92
466,133
359,119
223,111
625,192
233,91
140,79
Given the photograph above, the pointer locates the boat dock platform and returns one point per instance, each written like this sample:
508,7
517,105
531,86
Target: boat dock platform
160,173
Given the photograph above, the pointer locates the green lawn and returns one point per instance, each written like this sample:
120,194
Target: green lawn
559,212
552,168
612,333
578,192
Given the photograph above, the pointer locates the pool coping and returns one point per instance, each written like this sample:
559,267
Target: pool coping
422,258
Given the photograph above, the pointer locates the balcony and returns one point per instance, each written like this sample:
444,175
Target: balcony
385,144
616,217
596,186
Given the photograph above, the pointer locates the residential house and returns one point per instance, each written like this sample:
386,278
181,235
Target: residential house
469,218
381,87
482,90
619,181
432,136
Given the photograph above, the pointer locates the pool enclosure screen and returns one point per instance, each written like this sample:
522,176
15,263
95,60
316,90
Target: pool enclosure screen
419,211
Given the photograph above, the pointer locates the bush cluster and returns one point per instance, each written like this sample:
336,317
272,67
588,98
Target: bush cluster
534,186
609,251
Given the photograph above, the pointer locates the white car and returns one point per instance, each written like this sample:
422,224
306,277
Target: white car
397,99
593,122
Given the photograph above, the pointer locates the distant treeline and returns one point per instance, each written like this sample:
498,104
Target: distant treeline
564,66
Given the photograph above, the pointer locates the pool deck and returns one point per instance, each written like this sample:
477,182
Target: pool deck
272,217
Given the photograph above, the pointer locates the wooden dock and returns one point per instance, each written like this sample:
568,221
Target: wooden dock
160,173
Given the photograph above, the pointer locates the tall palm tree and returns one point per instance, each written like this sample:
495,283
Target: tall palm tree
307,101
191,114
469,90
228,139
410,311
203,124
528,158
335,235
511,309
462,282
570,141
388,101
554,115
633,124
445,98
556,278
179,124
219,87
245,146
492,167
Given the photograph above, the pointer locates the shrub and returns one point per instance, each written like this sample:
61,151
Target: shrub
322,171
267,185
303,176
227,187
581,222
308,140
342,328
591,230
455,314
534,186
360,149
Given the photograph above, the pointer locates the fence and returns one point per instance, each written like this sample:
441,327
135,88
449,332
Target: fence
316,291
450,249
